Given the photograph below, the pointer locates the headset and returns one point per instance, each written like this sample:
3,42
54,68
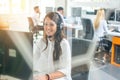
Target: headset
60,21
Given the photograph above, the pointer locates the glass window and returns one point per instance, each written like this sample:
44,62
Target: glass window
13,6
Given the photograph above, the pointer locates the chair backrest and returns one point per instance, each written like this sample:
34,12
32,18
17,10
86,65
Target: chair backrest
88,28
31,24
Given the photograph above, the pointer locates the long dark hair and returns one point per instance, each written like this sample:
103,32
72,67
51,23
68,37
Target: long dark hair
58,36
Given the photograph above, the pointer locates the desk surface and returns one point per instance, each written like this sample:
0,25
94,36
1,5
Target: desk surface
113,33
114,25
104,72
74,26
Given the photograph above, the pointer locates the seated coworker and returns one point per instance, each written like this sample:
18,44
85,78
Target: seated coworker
52,55
36,16
101,28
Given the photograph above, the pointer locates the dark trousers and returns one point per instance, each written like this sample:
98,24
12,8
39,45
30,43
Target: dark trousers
106,44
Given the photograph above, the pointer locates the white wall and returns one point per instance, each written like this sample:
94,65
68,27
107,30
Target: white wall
106,4
66,4
112,4
62,3
42,4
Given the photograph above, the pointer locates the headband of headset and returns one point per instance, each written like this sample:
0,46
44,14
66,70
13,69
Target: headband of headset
60,21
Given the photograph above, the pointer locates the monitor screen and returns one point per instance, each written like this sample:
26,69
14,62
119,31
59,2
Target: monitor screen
16,49
117,15
76,11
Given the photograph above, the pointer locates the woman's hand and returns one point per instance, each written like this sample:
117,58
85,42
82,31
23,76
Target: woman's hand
39,77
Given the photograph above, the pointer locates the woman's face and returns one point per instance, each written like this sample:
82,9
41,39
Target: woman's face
50,27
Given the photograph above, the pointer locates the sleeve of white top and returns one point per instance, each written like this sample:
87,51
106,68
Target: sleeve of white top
36,51
105,26
65,59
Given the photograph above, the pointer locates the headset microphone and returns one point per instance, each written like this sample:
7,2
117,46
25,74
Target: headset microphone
49,36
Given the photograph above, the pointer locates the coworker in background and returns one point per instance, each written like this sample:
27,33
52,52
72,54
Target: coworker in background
60,11
52,55
37,28
101,28
36,16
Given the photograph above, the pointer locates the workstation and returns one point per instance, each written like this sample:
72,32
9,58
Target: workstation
19,36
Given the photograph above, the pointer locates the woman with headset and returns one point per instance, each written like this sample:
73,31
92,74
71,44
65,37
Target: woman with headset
52,55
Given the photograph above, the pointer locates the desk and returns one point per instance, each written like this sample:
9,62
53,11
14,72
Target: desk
40,27
115,56
77,28
113,33
114,25
104,72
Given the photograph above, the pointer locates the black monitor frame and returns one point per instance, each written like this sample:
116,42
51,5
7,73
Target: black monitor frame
12,52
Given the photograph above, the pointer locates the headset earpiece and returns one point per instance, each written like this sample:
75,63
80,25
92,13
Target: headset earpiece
60,23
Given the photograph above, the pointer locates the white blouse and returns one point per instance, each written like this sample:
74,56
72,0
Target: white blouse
36,19
100,32
43,59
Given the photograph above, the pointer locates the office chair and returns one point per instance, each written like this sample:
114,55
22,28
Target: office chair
88,28
89,34
34,29
31,25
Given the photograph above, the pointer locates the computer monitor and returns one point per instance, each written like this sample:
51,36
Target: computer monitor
76,11
16,49
113,15
117,15
2,52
